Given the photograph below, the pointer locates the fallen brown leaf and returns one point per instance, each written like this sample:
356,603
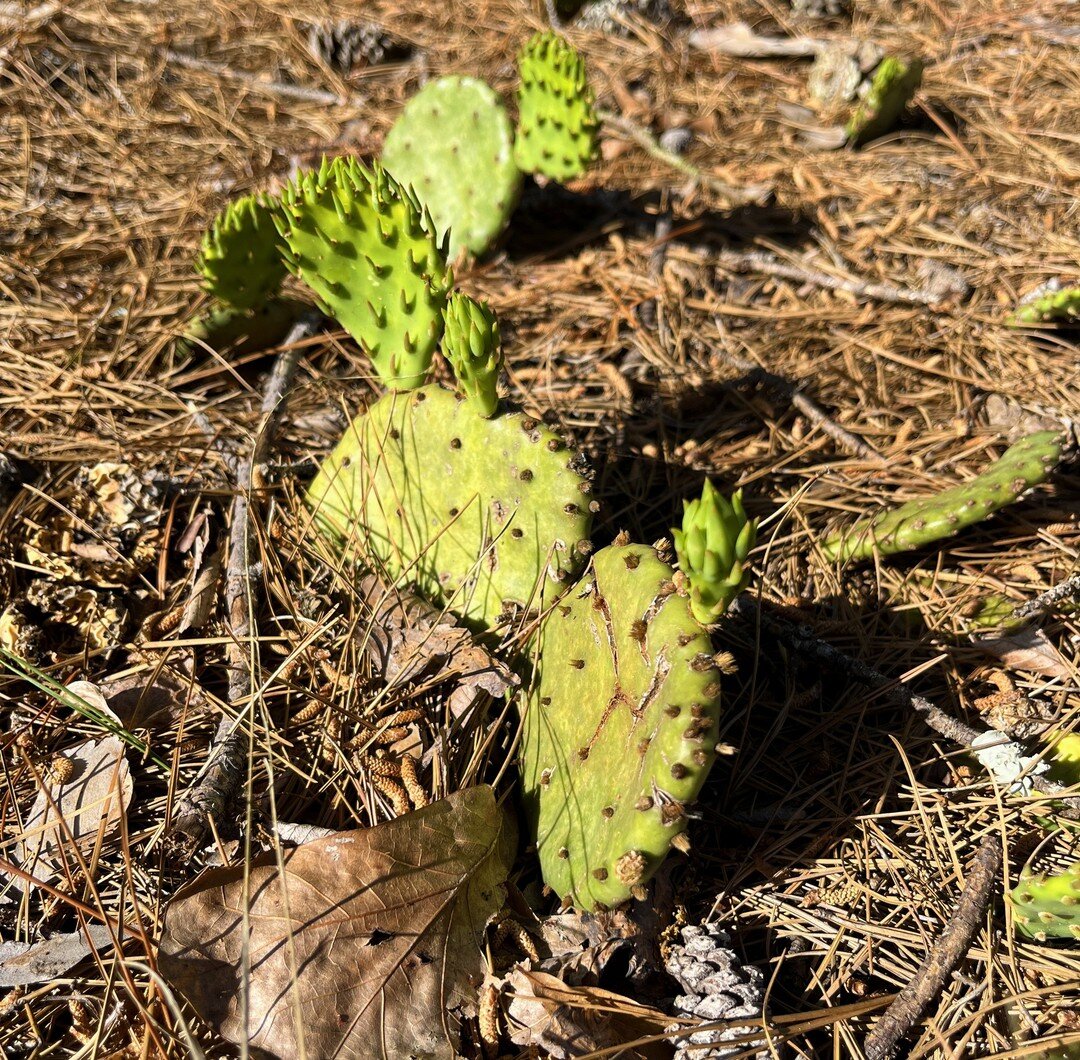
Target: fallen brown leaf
26,963
1028,649
367,945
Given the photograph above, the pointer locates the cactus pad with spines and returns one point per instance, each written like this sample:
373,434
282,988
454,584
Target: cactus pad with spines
477,513
713,546
1048,906
620,727
891,87
928,519
1050,304
454,144
240,257
364,245
557,122
472,345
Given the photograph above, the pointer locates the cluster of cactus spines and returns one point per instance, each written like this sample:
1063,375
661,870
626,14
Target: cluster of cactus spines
472,345
454,144
888,92
367,249
713,547
928,519
619,727
1048,906
1049,304
557,122
240,256
481,515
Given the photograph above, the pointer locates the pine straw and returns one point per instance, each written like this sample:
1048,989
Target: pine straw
835,841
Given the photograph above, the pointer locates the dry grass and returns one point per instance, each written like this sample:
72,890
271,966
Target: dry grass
835,841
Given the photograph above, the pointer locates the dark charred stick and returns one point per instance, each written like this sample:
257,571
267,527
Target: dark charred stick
1069,589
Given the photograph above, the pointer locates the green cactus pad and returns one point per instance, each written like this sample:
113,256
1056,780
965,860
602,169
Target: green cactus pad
472,346
557,122
1058,305
928,519
367,249
455,146
240,257
478,513
894,82
713,546
620,727
240,330
1048,907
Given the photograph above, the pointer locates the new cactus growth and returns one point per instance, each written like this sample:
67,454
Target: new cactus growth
712,547
1048,907
620,727
454,144
471,344
365,246
557,122
478,513
929,519
885,96
240,257
1047,305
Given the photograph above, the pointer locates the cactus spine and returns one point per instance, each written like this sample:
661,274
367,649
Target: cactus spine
472,346
1048,907
240,259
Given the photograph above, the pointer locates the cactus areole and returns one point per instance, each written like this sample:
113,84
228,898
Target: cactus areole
1048,906
620,727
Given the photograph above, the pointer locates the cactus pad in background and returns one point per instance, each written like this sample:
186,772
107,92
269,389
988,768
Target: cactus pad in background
1048,907
478,513
929,519
1047,305
885,95
557,122
240,257
713,546
242,330
454,144
620,727
472,346
363,244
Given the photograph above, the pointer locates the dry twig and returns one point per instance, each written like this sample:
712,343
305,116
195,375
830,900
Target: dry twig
1069,589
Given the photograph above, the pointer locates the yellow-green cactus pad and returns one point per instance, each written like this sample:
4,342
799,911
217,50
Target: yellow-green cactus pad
926,520
454,145
240,256
1048,907
620,727
242,331
891,87
479,514
365,246
557,122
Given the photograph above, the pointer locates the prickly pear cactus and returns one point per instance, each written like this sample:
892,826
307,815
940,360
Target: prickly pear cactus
557,123
242,330
472,346
928,519
888,92
478,513
1048,907
620,727
455,146
240,257
713,547
364,245
1049,304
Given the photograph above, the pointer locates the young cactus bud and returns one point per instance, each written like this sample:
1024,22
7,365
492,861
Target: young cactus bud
471,345
712,546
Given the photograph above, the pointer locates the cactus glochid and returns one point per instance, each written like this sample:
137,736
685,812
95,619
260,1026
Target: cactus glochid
239,258
713,546
472,346
928,519
1048,907
454,144
557,122
619,727
363,244
886,94
478,513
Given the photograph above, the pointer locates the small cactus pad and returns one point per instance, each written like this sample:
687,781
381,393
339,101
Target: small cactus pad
889,91
1048,305
454,144
240,330
240,257
1048,907
620,727
713,546
557,121
929,519
478,513
472,346
367,249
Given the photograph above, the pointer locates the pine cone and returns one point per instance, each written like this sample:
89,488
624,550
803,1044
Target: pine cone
343,45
